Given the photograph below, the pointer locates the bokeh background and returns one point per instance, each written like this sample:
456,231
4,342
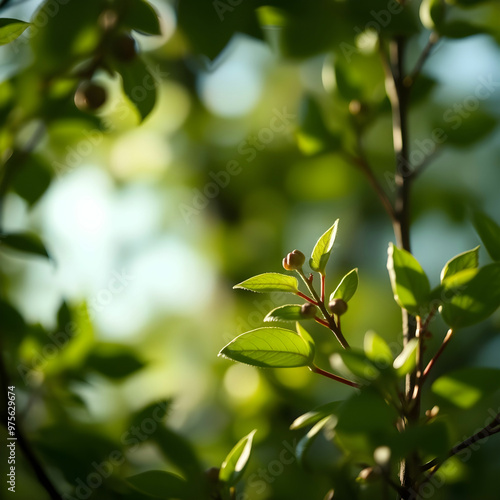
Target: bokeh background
148,232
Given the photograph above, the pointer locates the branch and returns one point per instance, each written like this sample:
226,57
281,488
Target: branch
319,371
431,363
431,43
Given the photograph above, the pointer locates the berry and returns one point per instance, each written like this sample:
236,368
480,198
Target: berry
308,310
294,260
90,96
338,306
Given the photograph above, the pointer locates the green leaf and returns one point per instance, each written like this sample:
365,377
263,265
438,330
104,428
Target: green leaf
463,132
304,334
289,312
465,387
377,349
159,484
354,362
10,29
139,85
313,416
407,359
489,232
270,282
233,467
347,287
33,181
141,16
465,260
409,282
305,443
13,323
474,301
269,348
114,361
322,249
24,242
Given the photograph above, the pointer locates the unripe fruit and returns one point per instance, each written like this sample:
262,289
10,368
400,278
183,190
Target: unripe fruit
308,310
294,260
90,96
124,48
338,306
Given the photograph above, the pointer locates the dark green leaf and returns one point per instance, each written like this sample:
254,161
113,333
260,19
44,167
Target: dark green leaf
305,443
465,260
313,416
12,322
159,484
156,411
140,15
410,284
24,242
270,282
465,387
269,348
477,299
33,180
489,232
289,312
234,465
114,360
10,29
347,287
463,132
322,249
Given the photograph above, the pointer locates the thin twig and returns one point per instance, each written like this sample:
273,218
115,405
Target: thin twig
431,43
420,167
431,363
320,371
305,297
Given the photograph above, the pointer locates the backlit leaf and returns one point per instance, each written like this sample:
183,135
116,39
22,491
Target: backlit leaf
233,467
347,287
270,282
322,249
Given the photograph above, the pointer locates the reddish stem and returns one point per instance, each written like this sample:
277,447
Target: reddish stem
305,297
315,369
431,363
322,322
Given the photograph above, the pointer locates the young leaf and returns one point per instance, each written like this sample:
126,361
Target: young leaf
313,416
160,484
322,249
140,15
409,282
269,348
290,312
407,359
465,260
475,300
489,232
24,242
10,29
305,443
233,467
270,282
347,287
465,387
377,349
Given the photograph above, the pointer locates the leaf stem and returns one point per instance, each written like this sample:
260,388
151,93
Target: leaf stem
320,371
305,297
432,362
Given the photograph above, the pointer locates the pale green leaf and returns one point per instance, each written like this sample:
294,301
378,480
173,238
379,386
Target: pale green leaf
233,467
347,287
409,282
10,29
322,249
270,282
304,334
465,260
354,362
407,359
269,348
289,312
313,416
377,349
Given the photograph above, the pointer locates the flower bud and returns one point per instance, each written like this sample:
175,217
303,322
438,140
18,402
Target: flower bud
338,306
90,96
308,310
294,260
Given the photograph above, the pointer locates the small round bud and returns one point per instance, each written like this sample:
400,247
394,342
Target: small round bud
369,474
124,48
338,306
308,310
294,260
90,96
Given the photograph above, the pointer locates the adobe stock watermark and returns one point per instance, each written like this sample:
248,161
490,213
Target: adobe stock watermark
133,437
455,116
30,372
248,150
223,6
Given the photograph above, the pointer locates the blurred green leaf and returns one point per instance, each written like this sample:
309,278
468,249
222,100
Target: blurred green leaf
489,232
406,361
160,484
157,411
313,416
10,29
322,249
409,282
24,242
465,387
354,362
234,465
432,13
465,260
12,323
32,182
476,300
463,132
289,312
427,439
270,282
377,349
141,16
269,348
347,287
114,361
305,443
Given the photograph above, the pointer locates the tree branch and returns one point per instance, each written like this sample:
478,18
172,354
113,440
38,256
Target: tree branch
431,43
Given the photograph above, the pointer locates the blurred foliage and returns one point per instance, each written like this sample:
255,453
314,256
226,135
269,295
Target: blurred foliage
221,135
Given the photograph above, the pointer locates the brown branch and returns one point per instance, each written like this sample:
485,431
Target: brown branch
320,371
431,363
